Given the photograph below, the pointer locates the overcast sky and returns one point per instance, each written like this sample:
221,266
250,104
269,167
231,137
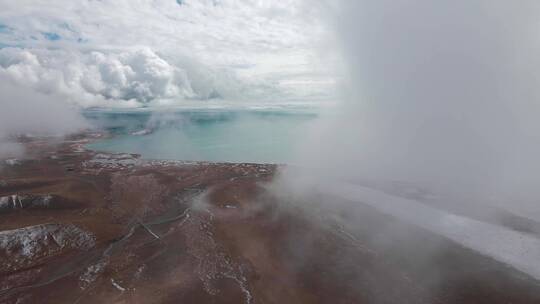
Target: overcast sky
161,52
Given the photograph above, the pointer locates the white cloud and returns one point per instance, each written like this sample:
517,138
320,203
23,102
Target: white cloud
28,112
440,93
129,53
126,78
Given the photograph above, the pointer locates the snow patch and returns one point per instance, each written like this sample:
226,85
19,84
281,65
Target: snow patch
91,273
12,162
520,250
117,286
26,246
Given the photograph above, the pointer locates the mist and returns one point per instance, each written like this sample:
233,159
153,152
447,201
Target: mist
442,94
26,112
437,126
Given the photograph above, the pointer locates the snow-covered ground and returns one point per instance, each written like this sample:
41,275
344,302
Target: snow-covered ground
520,250
27,246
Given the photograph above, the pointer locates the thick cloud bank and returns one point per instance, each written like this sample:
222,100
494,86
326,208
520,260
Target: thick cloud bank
129,78
439,128
443,93
142,52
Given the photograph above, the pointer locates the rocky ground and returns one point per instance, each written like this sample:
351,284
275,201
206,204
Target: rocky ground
78,226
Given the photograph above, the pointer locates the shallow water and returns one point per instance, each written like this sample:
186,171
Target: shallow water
258,136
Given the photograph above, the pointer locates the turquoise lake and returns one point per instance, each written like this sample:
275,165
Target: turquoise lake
257,136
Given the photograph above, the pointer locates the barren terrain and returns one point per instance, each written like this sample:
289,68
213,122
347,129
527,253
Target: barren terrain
79,226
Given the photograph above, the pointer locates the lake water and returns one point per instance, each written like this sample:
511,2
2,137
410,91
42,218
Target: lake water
258,136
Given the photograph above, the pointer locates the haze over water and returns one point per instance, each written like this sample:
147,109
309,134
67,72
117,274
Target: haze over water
258,136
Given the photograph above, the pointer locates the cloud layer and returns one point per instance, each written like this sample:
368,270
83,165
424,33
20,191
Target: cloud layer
127,78
133,53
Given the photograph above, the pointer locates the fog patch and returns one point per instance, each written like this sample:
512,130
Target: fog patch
435,96
443,95
26,112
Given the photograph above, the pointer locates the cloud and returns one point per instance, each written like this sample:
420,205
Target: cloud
123,79
441,94
26,112
62,56
439,97
102,53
